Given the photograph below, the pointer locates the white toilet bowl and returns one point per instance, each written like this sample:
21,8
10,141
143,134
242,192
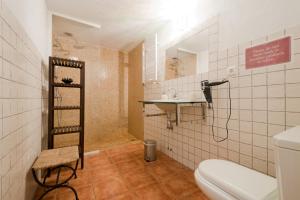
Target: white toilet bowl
225,180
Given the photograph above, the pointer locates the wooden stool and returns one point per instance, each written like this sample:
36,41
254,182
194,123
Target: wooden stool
56,159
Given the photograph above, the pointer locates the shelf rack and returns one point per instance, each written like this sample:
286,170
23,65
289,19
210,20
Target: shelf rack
52,130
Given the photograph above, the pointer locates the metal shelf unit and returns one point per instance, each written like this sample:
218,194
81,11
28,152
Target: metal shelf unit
53,131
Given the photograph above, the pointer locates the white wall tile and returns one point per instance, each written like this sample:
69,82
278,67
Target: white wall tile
292,76
20,108
259,92
260,165
295,64
292,119
276,104
276,91
245,81
260,128
293,104
276,77
260,116
264,102
259,104
245,138
246,126
276,118
246,149
260,140
293,90
260,153
246,160
246,115
245,92
246,104
259,79
271,169
275,129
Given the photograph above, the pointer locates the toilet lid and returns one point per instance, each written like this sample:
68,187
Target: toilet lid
239,181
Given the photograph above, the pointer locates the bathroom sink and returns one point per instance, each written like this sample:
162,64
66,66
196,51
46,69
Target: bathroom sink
172,101
170,105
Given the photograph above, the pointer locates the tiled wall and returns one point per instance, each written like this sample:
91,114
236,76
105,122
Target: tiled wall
20,108
265,101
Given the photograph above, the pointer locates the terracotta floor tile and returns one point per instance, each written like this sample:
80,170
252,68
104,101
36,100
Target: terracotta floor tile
195,196
151,192
121,173
138,178
124,157
161,173
84,193
130,165
116,151
179,186
49,196
80,181
95,161
125,196
109,188
103,173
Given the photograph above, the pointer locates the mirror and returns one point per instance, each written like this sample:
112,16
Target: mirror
187,57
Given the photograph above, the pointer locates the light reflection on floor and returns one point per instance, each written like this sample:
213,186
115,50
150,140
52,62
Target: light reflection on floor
96,142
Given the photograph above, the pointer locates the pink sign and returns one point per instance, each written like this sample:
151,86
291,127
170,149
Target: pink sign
271,53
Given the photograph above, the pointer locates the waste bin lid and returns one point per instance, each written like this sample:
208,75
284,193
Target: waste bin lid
150,142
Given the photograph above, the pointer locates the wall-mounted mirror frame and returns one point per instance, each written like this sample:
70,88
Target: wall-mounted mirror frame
189,56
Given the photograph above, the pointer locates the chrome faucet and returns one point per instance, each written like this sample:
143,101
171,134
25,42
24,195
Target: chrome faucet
172,95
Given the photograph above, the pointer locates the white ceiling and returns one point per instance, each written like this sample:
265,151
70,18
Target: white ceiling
124,23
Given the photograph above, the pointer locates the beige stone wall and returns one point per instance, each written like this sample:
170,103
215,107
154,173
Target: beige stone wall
104,85
23,93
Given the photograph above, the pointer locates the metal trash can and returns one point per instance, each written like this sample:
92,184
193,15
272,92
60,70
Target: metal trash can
150,150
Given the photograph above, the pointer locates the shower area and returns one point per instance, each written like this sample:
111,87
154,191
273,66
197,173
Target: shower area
106,93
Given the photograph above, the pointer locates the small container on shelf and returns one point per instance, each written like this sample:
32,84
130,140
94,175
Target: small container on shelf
67,80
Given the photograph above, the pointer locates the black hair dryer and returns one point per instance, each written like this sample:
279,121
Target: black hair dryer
206,90
205,86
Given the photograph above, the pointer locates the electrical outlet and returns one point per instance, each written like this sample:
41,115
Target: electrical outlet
231,71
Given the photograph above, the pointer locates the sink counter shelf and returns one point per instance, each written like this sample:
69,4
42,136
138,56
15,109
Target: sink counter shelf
173,106
172,101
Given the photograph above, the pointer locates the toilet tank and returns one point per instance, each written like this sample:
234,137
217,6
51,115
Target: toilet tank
287,162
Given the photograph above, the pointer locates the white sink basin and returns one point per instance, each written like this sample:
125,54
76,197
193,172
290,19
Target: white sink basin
174,101
170,105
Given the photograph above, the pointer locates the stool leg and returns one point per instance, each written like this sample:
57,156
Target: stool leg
58,174
74,191
47,175
75,170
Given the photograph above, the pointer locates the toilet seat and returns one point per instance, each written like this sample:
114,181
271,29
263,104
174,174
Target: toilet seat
228,180
212,191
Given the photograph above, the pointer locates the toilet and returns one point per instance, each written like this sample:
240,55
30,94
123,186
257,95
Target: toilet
226,180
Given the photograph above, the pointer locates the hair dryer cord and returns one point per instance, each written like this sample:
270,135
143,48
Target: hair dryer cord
217,138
